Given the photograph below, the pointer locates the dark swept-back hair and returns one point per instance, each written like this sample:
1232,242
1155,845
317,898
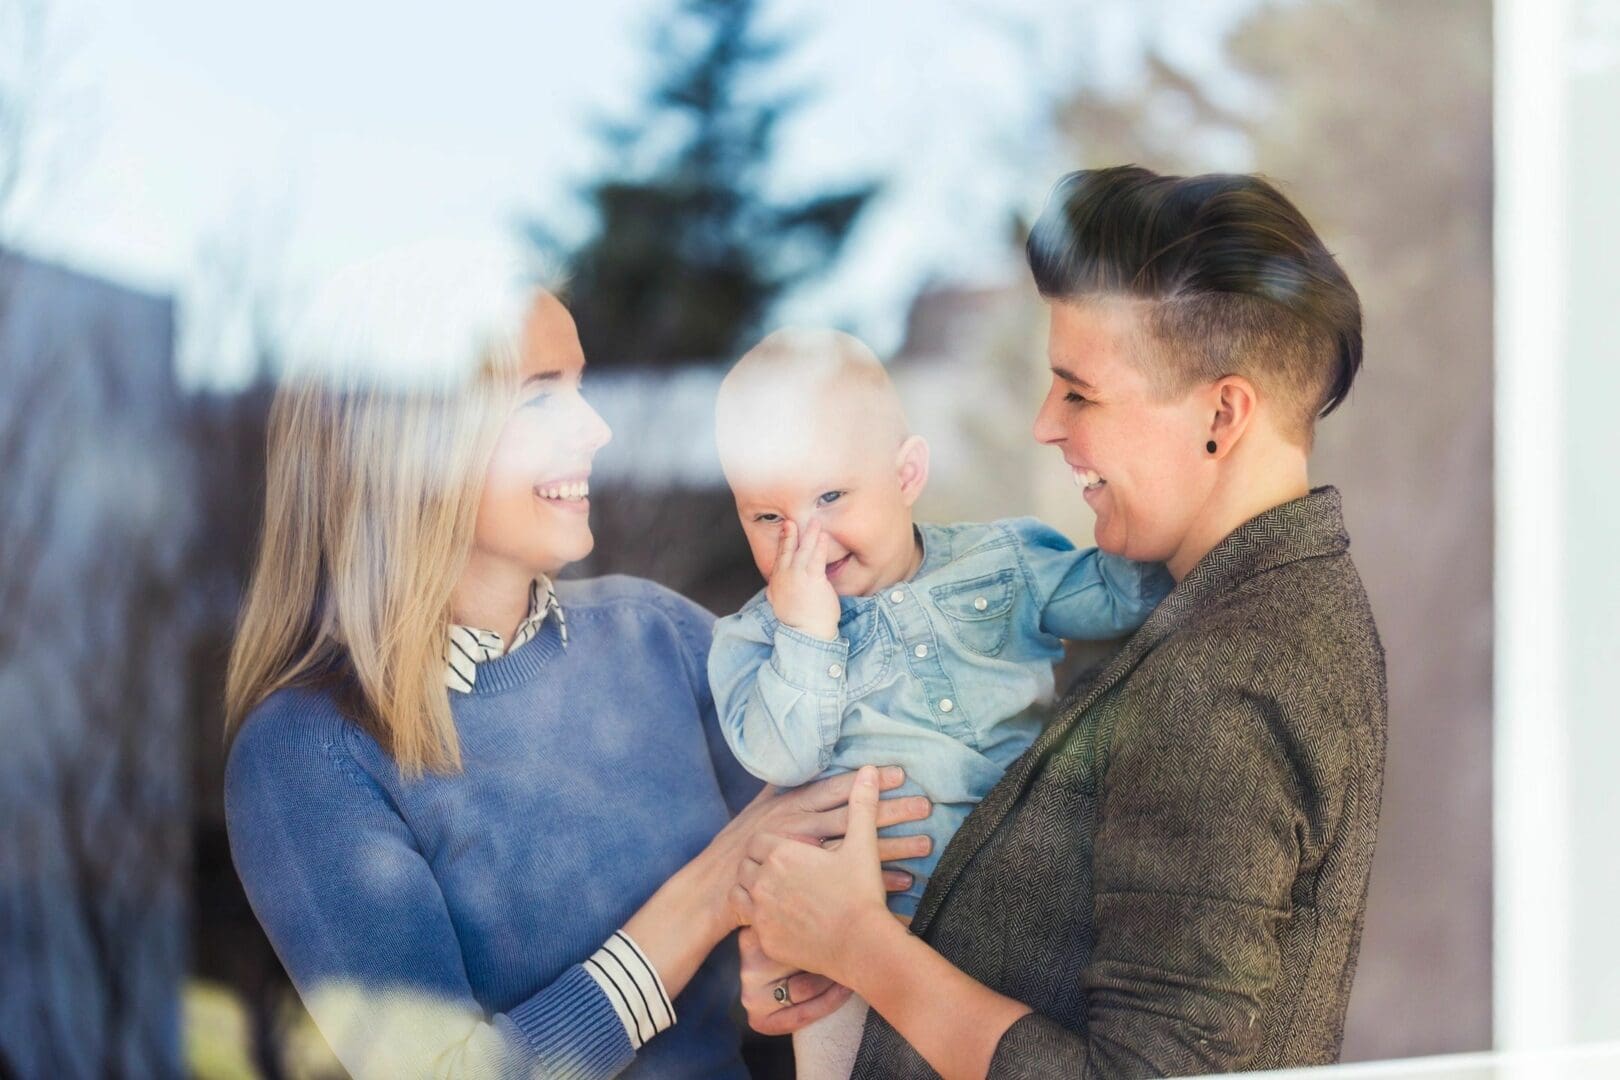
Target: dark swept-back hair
1240,282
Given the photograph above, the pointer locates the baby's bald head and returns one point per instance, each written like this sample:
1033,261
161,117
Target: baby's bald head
811,433
802,395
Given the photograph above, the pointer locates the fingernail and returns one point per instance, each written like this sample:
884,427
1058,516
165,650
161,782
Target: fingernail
867,776
893,772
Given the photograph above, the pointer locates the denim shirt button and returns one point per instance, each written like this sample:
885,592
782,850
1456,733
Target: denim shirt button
921,651
946,704
835,670
980,603
896,596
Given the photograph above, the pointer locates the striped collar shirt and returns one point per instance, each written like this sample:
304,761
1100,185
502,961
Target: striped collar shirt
469,646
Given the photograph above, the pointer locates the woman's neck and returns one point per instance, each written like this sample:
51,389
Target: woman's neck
1269,477
493,594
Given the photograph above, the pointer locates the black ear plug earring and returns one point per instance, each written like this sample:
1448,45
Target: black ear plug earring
1210,446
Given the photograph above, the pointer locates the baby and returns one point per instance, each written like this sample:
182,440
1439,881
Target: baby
878,640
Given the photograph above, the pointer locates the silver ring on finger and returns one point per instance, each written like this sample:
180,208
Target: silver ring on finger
781,994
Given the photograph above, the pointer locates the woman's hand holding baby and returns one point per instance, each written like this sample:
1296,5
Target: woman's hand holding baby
701,894
816,815
807,997
799,592
814,908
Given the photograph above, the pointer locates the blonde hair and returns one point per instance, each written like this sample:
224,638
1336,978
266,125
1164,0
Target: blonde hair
372,495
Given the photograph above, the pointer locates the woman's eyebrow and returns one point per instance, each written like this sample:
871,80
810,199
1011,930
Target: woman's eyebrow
1070,377
543,377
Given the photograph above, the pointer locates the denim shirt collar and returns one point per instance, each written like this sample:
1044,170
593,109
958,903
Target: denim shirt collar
855,612
936,553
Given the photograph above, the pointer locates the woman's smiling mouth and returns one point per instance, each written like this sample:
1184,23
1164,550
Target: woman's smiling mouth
573,494
1086,478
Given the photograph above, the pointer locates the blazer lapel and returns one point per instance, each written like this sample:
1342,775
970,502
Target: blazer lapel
1306,527
989,814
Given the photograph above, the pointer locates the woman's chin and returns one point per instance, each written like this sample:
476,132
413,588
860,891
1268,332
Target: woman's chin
562,550
579,551
1106,540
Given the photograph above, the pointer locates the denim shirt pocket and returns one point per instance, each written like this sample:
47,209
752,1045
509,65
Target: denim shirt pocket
979,610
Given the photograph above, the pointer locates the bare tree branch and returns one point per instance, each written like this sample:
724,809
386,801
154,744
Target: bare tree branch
22,49
27,512
39,105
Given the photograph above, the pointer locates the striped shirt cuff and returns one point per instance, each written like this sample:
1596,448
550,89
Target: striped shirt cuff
632,985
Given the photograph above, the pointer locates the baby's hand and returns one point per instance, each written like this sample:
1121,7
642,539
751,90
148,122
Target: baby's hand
799,591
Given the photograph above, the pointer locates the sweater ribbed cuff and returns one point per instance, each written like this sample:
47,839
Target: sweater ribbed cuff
633,988
574,1031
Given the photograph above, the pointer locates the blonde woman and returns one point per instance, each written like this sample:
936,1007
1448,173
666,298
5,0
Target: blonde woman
486,818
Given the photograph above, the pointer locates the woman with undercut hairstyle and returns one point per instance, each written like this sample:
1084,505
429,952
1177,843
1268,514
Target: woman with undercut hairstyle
1172,879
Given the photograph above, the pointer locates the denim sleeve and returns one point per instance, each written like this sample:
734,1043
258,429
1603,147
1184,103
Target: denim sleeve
779,694
354,912
1086,594
696,625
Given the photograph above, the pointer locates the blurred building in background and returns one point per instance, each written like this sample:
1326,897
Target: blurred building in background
95,535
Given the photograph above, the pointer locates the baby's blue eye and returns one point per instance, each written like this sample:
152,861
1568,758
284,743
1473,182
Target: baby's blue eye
829,497
767,518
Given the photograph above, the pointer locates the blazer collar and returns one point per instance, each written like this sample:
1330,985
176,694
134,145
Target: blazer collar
1307,527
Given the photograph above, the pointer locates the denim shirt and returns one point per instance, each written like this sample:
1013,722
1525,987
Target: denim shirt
945,674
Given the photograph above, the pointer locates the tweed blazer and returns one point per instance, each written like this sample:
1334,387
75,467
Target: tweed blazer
1174,876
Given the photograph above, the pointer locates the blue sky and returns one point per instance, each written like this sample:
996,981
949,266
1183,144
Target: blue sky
313,135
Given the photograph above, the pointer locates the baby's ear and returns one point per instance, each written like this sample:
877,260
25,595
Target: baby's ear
912,462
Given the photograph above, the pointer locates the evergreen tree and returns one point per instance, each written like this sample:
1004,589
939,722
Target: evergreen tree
689,251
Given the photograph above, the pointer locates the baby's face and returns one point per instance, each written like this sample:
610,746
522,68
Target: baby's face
857,497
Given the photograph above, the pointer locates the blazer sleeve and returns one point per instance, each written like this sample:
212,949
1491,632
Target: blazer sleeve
354,912
1212,797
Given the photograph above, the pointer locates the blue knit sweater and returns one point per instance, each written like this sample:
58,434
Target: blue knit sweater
444,923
